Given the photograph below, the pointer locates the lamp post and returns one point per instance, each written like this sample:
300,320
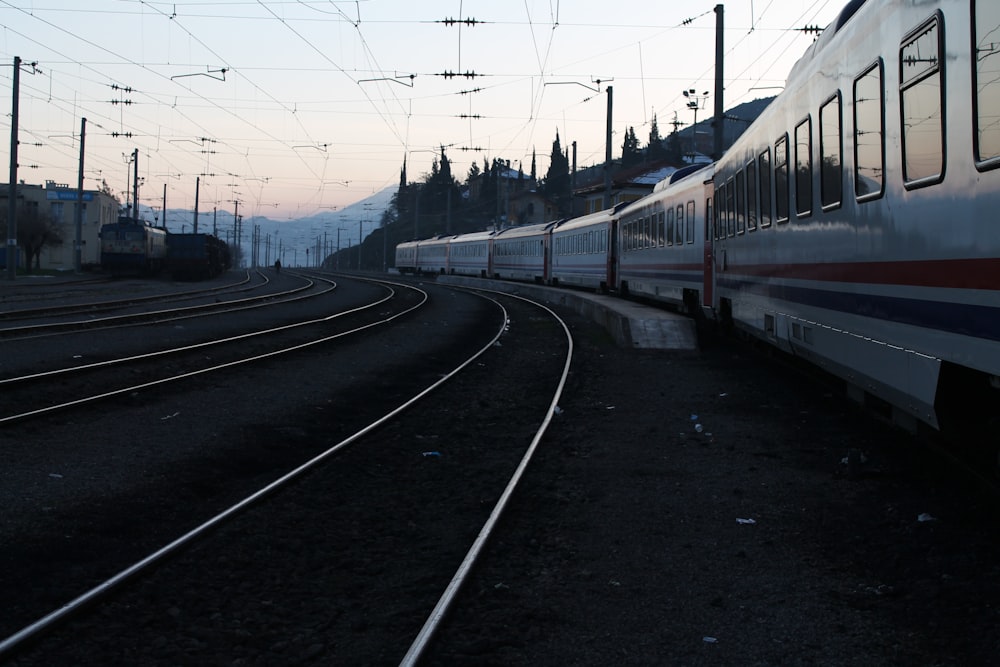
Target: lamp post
695,102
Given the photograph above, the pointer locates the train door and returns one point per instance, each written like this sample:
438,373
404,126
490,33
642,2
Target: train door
612,254
708,265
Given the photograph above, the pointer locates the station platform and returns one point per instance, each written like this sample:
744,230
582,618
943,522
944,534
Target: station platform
631,324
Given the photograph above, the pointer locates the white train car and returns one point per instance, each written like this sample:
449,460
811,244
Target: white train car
582,251
432,255
664,251
857,217
522,253
406,257
469,254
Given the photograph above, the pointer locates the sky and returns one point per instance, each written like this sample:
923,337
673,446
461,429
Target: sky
299,107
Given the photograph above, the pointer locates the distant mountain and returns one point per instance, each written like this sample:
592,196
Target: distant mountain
291,237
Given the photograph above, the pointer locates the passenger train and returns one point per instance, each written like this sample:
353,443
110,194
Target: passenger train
855,224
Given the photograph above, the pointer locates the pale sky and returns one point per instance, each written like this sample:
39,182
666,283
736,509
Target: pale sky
298,107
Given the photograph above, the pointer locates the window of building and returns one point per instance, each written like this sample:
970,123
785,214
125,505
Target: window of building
921,105
831,178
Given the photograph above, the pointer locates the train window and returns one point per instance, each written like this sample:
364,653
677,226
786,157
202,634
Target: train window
764,162
741,205
709,219
647,232
921,105
869,134
690,222
730,208
661,229
751,196
803,168
986,22
679,230
831,179
720,212
781,179
670,226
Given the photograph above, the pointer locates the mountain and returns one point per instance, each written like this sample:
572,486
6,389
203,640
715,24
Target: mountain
291,237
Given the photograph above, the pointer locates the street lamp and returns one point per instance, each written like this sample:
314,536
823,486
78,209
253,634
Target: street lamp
695,102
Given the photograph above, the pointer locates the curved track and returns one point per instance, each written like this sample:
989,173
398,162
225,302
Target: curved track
367,449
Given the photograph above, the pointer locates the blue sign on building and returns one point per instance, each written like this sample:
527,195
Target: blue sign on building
67,195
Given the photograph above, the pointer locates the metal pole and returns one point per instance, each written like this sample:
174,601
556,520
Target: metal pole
135,186
720,111
164,206
78,246
361,232
197,188
607,155
12,187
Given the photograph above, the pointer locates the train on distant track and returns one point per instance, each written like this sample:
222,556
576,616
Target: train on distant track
855,224
130,247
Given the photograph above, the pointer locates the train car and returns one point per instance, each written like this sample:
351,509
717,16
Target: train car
469,254
196,256
432,255
522,253
406,257
856,218
130,247
582,250
664,250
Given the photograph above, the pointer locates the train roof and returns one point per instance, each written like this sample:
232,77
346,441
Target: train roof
473,236
845,15
681,174
589,219
526,230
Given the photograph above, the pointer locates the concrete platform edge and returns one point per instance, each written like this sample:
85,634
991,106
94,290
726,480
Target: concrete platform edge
632,325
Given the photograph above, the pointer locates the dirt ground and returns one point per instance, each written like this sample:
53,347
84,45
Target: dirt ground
698,509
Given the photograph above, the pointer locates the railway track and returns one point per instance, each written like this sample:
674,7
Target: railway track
374,472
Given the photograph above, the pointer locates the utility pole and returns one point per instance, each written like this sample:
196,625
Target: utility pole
12,187
607,155
78,241
135,186
164,207
720,112
197,187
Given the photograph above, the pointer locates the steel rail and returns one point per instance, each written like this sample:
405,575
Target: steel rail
183,376
183,313
49,621
110,304
444,604
188,348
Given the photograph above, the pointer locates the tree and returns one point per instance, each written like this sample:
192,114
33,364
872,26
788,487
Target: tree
630,149
557,181
656,150
35,231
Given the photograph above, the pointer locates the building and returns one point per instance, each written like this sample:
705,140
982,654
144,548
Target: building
59,202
